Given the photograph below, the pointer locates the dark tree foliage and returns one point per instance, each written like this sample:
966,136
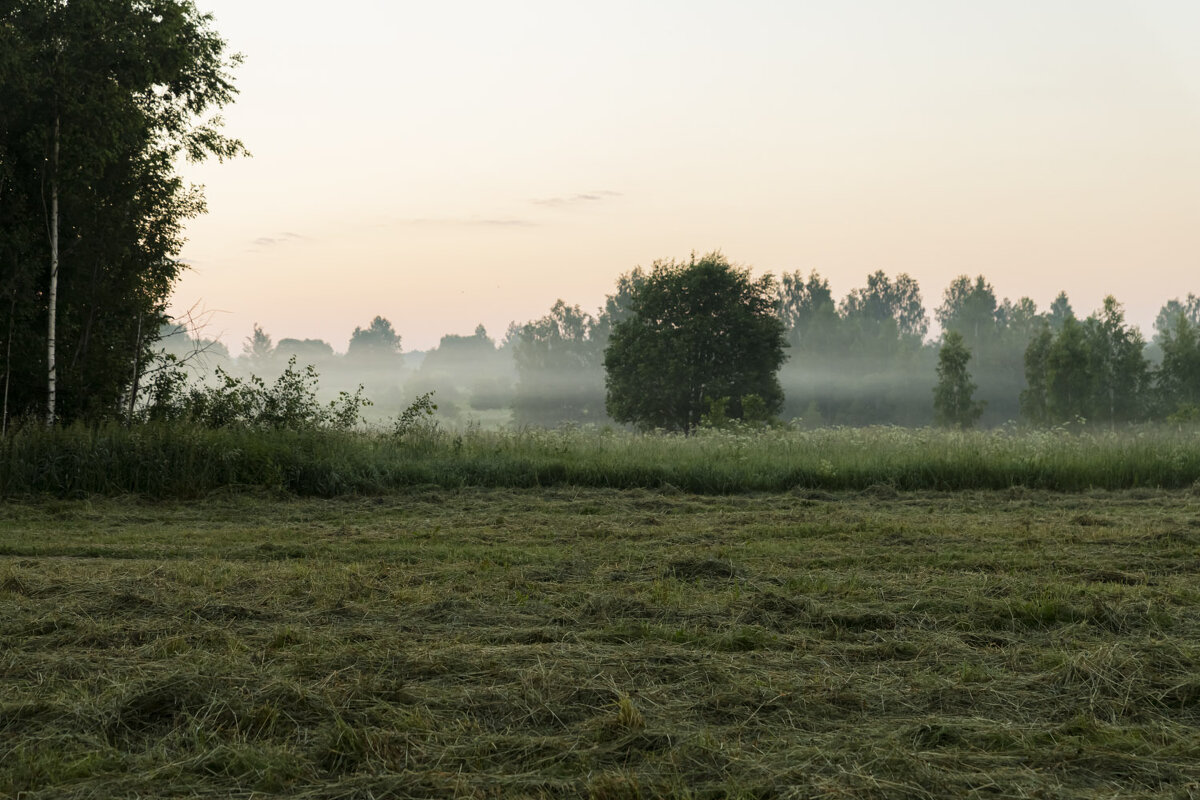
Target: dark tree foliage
700,332
1176,347
971,310
1092,370
1178,379
377,343
954,404
1068,378
457,352
1035,397
807,310
120,90
1121,373
886,303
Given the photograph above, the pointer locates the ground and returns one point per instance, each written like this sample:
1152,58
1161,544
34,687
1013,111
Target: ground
617,644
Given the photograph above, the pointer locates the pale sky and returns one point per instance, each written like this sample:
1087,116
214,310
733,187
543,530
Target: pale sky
446,164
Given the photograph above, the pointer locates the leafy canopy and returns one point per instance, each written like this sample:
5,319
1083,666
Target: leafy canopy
699,332
100,100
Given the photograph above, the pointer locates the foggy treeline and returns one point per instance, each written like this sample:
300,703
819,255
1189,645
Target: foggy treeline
867,358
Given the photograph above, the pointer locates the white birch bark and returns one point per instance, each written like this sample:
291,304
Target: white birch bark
53,297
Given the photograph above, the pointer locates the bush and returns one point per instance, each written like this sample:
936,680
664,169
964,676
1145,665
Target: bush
290,403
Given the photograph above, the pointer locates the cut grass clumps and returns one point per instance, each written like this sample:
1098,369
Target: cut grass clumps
563,643
184,461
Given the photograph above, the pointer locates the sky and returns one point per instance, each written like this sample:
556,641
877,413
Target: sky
456,163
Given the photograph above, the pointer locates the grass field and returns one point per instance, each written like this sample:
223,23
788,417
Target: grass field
184,461
603,643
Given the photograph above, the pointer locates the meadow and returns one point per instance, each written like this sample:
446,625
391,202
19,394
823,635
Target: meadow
176,460
575,641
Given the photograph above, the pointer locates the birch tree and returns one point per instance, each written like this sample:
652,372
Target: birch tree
105,99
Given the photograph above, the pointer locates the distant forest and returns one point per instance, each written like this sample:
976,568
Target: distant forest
867,359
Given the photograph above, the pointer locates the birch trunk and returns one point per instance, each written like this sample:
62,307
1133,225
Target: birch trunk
137,352
53,297
12,314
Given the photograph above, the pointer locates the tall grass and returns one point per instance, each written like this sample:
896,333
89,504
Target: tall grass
176,460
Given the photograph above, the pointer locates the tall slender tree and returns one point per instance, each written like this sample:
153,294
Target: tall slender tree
1035,397
1121,373
954,404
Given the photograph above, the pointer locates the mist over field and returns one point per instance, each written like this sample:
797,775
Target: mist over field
869,359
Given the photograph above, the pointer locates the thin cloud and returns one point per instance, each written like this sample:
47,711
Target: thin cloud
493,222
277,239
575,199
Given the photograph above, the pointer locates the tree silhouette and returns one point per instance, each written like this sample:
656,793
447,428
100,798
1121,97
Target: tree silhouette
378,342
954,405
700,332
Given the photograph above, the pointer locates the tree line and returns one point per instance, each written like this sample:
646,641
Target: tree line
866,359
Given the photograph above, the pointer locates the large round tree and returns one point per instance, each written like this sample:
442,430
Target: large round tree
701,331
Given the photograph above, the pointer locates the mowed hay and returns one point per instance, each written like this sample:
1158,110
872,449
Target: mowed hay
604,644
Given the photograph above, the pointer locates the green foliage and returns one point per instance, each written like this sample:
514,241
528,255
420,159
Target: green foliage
129,86
1119,366
559,359
1035,396
716,413
954,405
1091,370
807,310
1178,378
884,302
997,333
755,414
699,330
290,403
1185,413
1167,322
1069,379
970,310
417,419
755,410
